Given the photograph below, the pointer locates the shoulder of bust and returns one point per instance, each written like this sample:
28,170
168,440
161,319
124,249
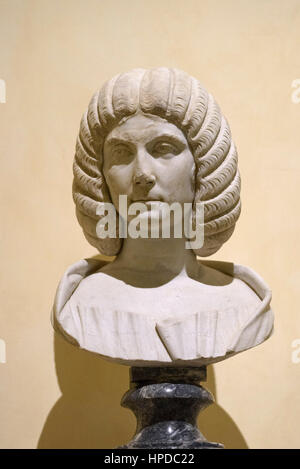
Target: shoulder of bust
69,282
215,335
243,273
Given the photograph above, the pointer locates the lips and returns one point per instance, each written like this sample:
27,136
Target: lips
144,200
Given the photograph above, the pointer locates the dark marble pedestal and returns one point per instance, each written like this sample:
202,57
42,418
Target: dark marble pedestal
166,402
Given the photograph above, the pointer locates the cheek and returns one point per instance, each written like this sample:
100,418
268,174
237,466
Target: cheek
118,179
181,178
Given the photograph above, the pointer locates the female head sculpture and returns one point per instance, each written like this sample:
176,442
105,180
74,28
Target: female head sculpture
177,98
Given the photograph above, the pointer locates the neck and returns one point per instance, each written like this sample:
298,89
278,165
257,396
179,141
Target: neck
158,255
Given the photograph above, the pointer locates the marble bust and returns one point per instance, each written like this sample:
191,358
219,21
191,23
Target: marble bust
158,137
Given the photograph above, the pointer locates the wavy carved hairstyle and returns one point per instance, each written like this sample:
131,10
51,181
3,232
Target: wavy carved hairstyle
180,99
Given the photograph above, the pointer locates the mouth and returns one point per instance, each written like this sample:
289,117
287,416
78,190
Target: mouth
145,201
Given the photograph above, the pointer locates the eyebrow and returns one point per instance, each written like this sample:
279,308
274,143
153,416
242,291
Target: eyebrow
174,138
117,141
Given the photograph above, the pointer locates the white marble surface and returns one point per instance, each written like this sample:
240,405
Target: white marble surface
227,310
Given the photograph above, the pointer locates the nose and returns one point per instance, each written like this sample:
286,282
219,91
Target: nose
143,177
144,180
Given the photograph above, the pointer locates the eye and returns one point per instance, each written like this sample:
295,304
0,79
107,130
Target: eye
165,148
120,152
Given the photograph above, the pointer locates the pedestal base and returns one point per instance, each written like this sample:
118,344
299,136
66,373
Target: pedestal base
166,402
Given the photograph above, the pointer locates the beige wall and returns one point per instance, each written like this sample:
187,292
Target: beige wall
53,55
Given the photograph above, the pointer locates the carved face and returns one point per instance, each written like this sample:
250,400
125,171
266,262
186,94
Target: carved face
148,159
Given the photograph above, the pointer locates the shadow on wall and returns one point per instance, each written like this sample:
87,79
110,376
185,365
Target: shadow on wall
214,422
89,415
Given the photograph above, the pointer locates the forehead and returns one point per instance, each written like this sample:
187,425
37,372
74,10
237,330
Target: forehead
142,128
